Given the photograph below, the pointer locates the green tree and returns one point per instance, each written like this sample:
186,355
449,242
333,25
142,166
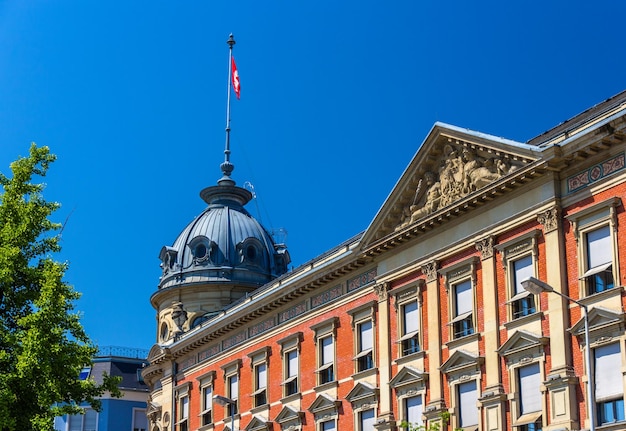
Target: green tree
43,345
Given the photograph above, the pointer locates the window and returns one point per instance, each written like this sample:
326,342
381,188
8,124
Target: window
84,373
328,426
599,268
467,396
609,384
140,420
409,324
365,344
232,386
207,405
530,407
292,365
260,384
366,420
522,302
86,422
183,413
463,304
326,360
413,409
594,229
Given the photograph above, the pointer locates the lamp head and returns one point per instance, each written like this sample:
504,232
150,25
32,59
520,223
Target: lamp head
535,286
222,401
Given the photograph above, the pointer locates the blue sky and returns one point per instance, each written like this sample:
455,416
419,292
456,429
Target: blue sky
336,98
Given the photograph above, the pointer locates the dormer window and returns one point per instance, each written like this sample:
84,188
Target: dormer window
168,257
201,249
250,252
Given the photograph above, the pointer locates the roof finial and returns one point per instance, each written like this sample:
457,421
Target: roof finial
227,166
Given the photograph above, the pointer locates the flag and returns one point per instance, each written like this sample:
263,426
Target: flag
235,78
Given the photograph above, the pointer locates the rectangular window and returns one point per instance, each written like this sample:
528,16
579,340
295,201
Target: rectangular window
328,426
410,328
291,372
86,422
413,409
207,405
599,274
183,415
462,323
140,420
232,384
366,420
523,302
365,340
467,396
529,380
609,383
327,359
260,383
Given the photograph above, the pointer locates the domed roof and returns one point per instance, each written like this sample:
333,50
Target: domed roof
224,244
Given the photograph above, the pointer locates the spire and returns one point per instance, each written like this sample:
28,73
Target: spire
226,190
227,166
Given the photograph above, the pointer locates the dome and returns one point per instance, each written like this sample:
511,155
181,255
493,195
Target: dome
224,244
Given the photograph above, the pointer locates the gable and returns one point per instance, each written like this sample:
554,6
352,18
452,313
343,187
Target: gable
361,391
461,360
450,166
600,320
521,341
408,376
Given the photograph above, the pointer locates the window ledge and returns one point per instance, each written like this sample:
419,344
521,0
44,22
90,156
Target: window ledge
326,386
524,320
613,426
601,296
291,398
261,408
365,373
453,344
410,357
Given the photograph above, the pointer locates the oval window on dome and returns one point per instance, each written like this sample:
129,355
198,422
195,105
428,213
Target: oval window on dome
200,251
251,253
165,331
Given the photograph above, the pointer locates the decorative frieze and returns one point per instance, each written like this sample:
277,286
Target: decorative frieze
549,219
485,247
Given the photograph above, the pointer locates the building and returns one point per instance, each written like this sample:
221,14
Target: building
421,315
117,414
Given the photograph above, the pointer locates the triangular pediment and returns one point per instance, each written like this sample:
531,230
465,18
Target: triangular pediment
408,376
323,402
460,360
600,318
447,172
289,414
521,341
362,391
257,424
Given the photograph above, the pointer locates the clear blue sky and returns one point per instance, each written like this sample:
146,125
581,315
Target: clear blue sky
336,98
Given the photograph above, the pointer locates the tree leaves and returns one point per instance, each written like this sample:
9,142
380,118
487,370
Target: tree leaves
43,345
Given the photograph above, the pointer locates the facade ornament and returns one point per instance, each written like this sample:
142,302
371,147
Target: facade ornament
485,246
382,290
549,219
430,269
461,172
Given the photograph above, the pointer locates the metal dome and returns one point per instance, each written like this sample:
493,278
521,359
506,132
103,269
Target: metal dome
223,244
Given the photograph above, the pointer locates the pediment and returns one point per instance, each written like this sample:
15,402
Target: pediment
257,424
599,318
323,402
362,391
408,376
451,166
521,341
461,360
288,414
155,352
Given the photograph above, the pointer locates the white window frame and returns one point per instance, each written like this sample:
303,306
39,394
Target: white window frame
291,377
134,425
205,383
361,423
608,378
409,337
460,407
588,220
455,276
326,331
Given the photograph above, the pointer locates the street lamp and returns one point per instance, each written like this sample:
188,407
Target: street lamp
224,401
534,286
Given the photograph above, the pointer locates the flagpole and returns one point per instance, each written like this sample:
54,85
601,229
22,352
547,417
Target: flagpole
227,167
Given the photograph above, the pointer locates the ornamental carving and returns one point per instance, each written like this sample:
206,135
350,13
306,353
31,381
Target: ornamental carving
549,219
461,172
430,269
382,290
485,247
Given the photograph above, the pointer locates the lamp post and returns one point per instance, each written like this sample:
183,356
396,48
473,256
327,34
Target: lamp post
224,401
535,286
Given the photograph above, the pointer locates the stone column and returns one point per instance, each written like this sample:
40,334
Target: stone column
560,379
385,417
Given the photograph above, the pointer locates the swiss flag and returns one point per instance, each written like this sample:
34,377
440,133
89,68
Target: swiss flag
235,78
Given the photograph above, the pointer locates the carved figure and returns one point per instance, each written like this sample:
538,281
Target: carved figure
477,175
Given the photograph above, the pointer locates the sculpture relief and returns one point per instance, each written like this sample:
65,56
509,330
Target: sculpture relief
458,176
